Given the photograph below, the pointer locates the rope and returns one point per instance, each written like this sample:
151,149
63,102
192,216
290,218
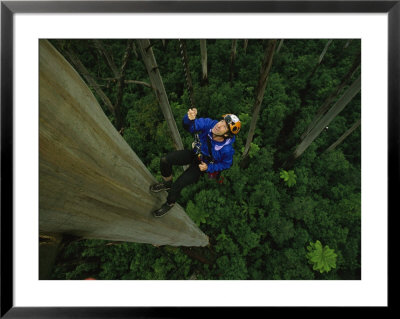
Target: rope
185,63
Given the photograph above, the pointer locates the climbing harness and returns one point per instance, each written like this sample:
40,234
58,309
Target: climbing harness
196,145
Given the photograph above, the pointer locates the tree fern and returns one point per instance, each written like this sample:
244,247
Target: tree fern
322,258
289,177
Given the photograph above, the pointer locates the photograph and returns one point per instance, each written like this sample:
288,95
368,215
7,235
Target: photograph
200,159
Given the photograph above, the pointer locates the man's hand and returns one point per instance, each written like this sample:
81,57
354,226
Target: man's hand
203,166
192,114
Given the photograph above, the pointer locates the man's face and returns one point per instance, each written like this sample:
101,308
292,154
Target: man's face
220,128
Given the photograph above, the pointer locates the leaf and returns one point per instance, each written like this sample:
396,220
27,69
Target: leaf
289,177
322,258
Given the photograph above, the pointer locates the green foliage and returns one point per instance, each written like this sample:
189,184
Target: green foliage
254,148
289,177
259,222
322,258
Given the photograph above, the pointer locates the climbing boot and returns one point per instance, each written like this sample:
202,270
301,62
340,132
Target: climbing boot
163,210
159,187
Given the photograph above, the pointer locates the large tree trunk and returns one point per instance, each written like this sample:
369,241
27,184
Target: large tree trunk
259,94
91,183
343,137
203,50
325,120
159,90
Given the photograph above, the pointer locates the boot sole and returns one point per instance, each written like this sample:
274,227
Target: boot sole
159,216
159,190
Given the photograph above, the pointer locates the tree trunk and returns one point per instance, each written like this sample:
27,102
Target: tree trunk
232,64
325,120
279,46
159,90
49,248
108,58
121,85
324,108
324,51
91,183
203,50
245,44
306,88
89,79
343,137
259,94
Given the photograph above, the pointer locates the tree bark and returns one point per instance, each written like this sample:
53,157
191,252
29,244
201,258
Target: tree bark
259,93
91,183
325,120
343,137
158,87
203,50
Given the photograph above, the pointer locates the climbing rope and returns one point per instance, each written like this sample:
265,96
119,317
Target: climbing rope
196,145
185,62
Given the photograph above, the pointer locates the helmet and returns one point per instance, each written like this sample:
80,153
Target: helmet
233,123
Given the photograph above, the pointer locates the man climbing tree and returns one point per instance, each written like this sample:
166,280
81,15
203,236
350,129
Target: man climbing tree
212,153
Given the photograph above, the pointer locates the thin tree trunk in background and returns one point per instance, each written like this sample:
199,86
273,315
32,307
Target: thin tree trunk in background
158,87
91,183
279,46
347,44
321,57
203,50
343,137
325,120
78,65
121,85
325,107
324,51
108,58
232,59
246,43
134,50
259,93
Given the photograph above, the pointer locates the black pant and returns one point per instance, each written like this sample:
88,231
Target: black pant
189,176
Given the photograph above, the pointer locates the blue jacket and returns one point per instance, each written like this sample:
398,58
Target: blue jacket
222,152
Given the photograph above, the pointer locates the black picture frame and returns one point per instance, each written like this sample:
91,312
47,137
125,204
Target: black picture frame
9,8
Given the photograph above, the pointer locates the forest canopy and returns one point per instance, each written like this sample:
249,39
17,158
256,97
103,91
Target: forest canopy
275,215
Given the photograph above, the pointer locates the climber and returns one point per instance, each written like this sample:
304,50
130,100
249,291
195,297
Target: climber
212,153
